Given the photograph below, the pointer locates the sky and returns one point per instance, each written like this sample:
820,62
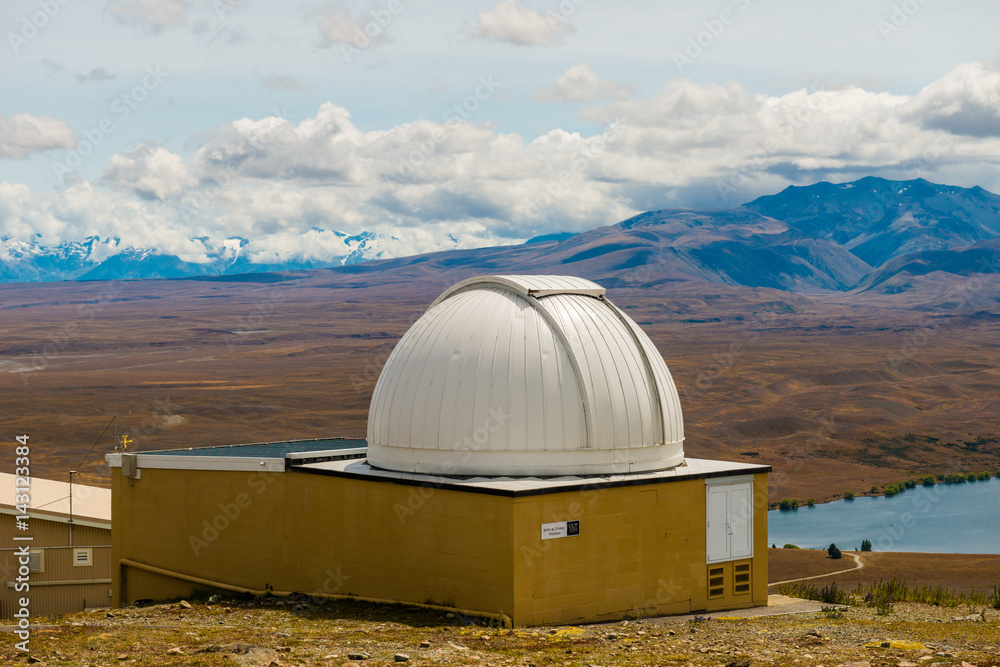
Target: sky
178,124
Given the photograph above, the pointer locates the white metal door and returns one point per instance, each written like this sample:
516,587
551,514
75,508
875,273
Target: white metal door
729,533
740,521
718,529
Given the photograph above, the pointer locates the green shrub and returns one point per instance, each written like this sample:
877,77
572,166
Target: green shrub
894,488
882,594
929,480
940,478
849,495
872,491
910,484
972,477
983,476
788,504
833,551
789,546
829,594
866,545
811,502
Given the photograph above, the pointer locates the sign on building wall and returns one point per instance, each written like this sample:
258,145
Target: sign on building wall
550,531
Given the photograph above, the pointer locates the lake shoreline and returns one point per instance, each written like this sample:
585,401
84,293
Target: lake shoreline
920,520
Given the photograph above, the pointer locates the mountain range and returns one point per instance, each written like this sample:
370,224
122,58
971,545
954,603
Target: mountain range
871,235
95,258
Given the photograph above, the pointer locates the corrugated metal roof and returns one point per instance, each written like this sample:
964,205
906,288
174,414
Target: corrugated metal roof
525,375
537,286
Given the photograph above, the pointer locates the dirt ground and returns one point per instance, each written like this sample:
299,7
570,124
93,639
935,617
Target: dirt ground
958,572
282,633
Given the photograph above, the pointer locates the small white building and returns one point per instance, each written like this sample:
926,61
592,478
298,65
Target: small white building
70,553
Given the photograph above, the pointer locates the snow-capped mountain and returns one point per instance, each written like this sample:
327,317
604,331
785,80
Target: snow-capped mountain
95,258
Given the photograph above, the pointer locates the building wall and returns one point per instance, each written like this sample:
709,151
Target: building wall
61,587
641,550
313,534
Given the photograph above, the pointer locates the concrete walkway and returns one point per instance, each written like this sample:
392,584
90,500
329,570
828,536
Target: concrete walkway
776,605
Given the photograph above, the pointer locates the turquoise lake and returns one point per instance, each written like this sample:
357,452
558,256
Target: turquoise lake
944,518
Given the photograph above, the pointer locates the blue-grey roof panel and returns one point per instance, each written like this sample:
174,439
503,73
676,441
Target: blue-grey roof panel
264,450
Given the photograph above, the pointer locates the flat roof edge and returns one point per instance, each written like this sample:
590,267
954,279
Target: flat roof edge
584,484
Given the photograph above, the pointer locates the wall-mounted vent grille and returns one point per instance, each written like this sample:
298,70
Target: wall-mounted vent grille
741,578
36,560
716,582
82,557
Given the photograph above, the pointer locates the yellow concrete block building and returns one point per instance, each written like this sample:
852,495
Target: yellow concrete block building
524,458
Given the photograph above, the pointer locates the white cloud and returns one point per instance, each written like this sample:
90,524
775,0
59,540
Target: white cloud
151,16
507,22
965,101
458,184
356,29
282,82
338,27
152,172
580,84
22,134
96,74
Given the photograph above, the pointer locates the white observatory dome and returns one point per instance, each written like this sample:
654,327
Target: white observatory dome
525,375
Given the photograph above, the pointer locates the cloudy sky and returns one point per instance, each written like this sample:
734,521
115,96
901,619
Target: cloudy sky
178,123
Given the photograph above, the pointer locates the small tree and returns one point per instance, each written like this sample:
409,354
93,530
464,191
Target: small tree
872,491
833,551
866,545
810,502
848,495
929,480
788,504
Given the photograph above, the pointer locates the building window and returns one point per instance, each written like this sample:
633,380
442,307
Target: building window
730,521
36,560
82,557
